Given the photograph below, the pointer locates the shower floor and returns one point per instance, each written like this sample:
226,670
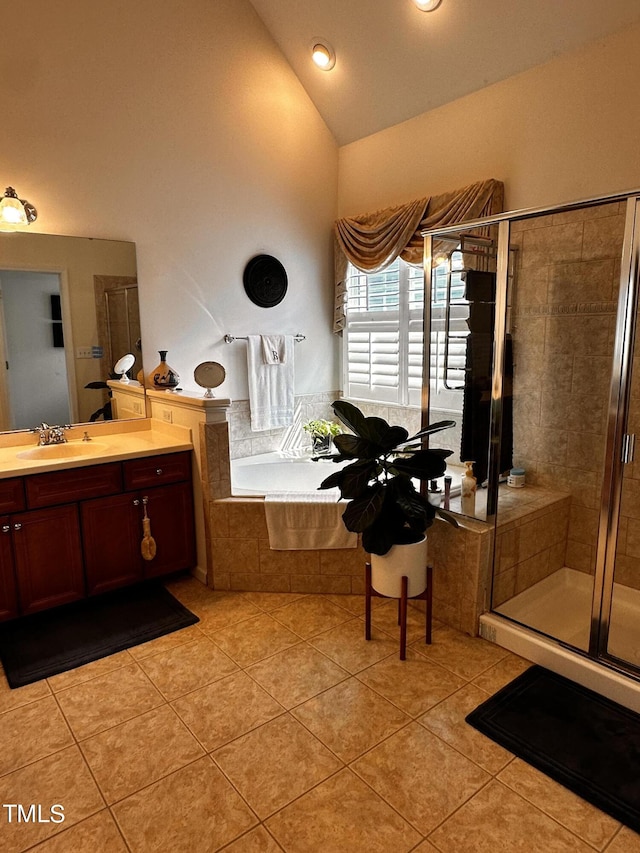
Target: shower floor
560,607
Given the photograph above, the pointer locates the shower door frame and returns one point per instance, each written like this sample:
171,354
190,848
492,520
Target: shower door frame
621,365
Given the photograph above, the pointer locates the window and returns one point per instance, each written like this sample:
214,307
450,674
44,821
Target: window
383,345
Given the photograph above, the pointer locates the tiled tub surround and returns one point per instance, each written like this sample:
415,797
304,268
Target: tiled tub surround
563,312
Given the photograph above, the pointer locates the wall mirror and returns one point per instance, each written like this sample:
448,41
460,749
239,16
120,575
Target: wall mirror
68,311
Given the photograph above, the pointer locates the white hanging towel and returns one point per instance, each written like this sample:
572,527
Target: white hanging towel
302,521
270,383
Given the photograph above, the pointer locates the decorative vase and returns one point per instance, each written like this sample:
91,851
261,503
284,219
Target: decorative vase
410,560
321,444
163,376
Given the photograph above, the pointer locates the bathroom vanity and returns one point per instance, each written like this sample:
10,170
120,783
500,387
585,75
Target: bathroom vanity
75,529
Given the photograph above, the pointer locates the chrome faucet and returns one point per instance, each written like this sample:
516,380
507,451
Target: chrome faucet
50,434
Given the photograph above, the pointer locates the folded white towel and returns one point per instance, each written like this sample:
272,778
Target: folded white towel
304,521
273,349
270,385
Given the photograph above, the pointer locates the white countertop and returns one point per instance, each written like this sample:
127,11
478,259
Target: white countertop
111,441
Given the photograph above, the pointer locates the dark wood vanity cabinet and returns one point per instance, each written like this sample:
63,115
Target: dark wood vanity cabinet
78,532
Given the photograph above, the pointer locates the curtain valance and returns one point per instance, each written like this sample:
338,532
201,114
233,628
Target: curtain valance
373,241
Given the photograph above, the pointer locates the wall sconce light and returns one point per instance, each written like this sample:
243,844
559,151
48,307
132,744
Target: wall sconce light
15,211
323,54
427,5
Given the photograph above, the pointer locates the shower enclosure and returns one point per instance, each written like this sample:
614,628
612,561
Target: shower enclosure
539,344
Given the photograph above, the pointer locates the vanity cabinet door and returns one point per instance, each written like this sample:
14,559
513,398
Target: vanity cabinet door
170,510
8,596
48,557
111,533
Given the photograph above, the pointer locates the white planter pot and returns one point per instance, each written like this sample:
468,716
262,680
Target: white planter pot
409,560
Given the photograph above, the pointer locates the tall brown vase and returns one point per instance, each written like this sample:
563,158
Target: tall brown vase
163,376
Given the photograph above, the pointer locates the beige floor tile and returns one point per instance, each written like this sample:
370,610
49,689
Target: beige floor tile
164,644
220,609
96,834
107,700
350,718
355,603
185,668
127,757
465,656
520,826
89,671
276,763
32,732
414,684
188,589
346,645
501,673
254,639
310,615
425,847
342,815
447,720
296,674
420,776
11,698
194,810
257,840
62,778
385,617
271,600
583,819
626,841
226,709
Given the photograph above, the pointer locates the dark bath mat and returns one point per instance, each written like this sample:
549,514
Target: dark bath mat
54,641
586,742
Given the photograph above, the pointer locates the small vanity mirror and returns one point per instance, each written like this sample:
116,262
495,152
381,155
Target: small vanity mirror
123,365
209,374
68,312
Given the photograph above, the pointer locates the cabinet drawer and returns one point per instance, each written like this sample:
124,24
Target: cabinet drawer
157,470
11,495
73,484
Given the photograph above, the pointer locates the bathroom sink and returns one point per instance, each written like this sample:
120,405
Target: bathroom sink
62,451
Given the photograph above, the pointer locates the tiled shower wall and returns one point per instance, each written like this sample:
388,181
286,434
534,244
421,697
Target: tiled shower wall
563,317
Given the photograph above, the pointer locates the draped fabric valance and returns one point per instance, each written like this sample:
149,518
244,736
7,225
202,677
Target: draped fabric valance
373,241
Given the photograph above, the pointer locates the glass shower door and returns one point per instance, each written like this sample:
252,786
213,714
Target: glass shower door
620,625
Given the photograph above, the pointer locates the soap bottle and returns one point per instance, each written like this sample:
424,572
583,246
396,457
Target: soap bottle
468,488
435,495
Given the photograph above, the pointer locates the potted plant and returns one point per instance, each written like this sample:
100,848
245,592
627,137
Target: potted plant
321,432
384,504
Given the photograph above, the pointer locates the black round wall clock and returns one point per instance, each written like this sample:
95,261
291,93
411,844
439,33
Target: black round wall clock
265,281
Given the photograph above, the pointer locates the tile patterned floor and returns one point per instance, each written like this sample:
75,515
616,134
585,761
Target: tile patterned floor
272,725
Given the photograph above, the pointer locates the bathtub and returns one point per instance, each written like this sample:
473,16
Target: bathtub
275,472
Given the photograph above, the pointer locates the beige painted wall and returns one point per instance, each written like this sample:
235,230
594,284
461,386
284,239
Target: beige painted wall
180,126
559,132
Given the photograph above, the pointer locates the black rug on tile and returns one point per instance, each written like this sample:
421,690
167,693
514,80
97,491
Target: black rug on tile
586,742
47,643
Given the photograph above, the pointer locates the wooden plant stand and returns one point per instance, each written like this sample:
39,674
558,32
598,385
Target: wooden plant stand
427,596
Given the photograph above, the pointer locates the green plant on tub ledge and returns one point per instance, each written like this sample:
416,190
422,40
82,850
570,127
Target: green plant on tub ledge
384,504
322,432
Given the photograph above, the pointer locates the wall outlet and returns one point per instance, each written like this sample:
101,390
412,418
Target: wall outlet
137,407
84,352
167,416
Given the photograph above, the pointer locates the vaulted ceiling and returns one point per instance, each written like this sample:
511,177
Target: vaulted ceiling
394,62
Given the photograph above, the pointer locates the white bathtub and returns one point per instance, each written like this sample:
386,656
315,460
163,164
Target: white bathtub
274,472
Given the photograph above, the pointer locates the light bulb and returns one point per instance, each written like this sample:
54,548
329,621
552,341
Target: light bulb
323,55
427,5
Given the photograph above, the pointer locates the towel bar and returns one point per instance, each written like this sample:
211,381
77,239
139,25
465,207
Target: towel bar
229,339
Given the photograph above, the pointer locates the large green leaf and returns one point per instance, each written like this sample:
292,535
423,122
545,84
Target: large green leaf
363,511
350,415
424,465
333,480
378,539
354,447
437,427
356,478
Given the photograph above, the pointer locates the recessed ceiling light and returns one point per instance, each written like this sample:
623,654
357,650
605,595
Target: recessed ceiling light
427,5
323,54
